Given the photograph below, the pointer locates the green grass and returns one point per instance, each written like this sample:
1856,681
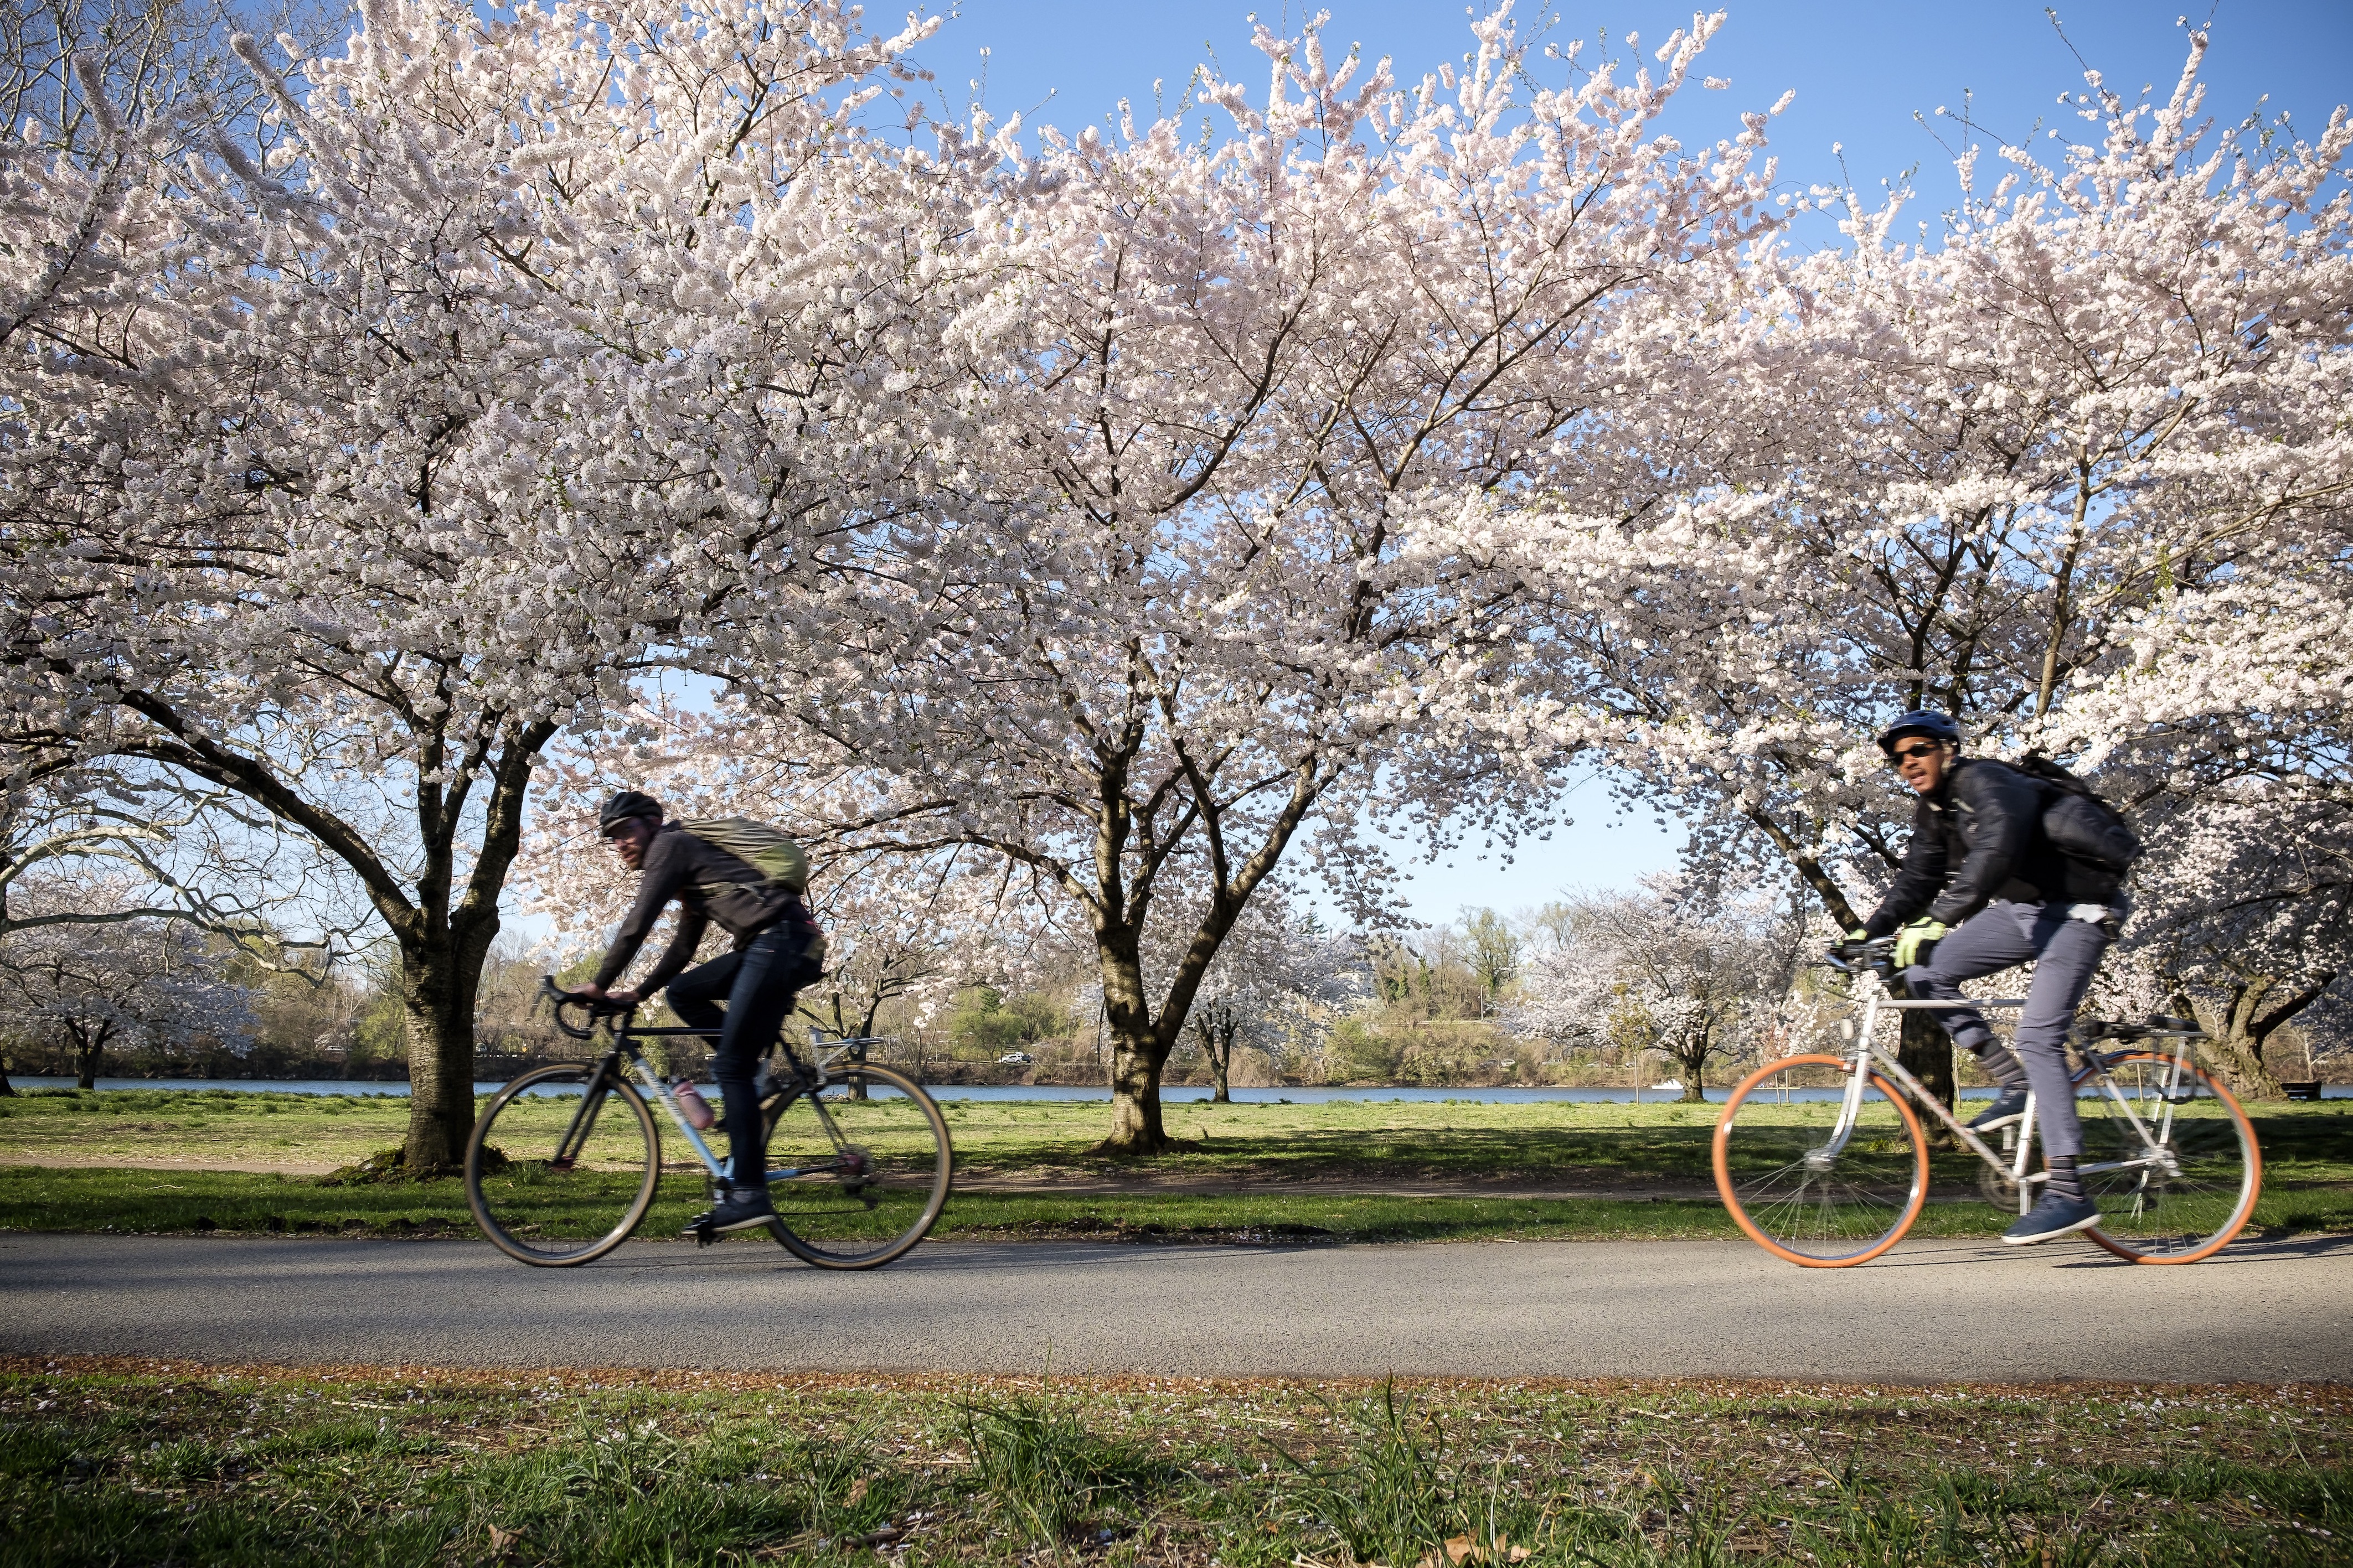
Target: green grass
39,1198
117,1462
242,1126
1012,1156
1550,1143
1584,1144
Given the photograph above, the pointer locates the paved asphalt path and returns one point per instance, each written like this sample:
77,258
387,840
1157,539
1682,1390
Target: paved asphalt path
1930,1310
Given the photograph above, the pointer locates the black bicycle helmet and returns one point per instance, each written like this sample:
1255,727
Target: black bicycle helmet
625,805
1921,722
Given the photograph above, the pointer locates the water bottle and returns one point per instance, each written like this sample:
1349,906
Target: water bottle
694,1107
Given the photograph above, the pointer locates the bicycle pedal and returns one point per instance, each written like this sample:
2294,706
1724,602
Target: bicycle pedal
704,1236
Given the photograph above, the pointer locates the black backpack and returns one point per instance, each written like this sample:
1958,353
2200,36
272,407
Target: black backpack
2079,824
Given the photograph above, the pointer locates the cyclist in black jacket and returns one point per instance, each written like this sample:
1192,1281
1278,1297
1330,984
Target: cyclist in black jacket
1978,860
758,981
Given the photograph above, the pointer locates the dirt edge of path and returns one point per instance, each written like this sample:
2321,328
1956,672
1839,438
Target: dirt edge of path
589,1379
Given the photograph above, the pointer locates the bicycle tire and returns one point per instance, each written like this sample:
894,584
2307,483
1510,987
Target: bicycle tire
532,1210
834,1218
2192,1208
1771,1173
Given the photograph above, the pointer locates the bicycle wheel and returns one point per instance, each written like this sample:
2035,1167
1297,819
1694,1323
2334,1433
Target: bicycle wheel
555,1181
2183,1190
1796,1197
857,1181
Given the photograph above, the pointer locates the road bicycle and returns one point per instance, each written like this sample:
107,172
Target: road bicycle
565,1160
1829,1181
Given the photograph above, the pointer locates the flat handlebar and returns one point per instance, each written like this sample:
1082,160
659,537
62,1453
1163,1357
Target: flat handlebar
1853,958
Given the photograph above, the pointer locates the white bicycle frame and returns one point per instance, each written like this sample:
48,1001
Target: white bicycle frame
1865,1054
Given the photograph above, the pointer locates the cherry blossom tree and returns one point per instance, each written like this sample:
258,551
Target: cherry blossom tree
2039,470
1675,968
2230,717
355,461
139,981
1171,611
2246,921
1278,980
919,929
906,929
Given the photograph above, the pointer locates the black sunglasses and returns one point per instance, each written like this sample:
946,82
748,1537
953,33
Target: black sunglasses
1897,756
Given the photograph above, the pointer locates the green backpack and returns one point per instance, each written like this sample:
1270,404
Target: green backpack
780,862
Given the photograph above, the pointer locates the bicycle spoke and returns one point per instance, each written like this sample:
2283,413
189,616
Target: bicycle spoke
2181,1169
555,1181
1795,1188
857,1181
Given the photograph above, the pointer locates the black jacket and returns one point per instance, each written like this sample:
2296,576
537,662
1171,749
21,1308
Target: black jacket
709,884
1977,838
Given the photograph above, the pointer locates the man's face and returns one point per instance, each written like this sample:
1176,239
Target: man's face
629,840
1920,759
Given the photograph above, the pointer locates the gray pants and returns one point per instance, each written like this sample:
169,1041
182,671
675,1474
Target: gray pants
2065,953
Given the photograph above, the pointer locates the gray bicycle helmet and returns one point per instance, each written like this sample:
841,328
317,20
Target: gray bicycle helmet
1925,722
625,806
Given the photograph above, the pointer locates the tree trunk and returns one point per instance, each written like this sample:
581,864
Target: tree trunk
866,1029
2234,1045
1926,1053
439,986
1138,1049
443,949
1135,1126
1222,1064
1695,1078
7,1090
857,1085
88,1054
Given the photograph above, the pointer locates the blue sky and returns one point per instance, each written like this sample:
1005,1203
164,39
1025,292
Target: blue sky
1860,71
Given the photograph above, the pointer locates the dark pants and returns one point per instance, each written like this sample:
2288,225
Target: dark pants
2065,951
758,983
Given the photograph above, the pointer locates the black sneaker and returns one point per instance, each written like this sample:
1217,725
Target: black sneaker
742,1208
2052,1215
2008,1106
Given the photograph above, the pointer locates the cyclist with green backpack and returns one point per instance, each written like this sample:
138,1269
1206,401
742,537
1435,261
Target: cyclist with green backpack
2026,864
748,878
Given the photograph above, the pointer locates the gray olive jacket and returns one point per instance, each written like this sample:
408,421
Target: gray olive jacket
709,884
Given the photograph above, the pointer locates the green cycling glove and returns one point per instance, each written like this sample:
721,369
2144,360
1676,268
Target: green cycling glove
1913,938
